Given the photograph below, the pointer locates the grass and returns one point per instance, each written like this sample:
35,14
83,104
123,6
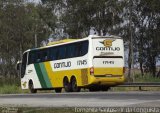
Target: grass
145,78
12,86
11,89
137,77
135,89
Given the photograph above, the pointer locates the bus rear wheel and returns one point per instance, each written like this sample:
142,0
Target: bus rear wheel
31,87
67,85
74,86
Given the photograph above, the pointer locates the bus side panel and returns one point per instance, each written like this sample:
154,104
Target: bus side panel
43,75
77,67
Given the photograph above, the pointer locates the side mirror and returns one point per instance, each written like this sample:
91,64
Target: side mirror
18,65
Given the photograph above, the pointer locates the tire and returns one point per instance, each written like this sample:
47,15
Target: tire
58,90
74,86
67,85
31,87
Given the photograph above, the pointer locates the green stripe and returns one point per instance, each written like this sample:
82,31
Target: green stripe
40,75
45,75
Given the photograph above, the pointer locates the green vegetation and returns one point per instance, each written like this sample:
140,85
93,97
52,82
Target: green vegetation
12,86
25,25
135,89
145,78
11,89
137,77
21,24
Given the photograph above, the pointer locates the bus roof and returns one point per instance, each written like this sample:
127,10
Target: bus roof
70,41
60,41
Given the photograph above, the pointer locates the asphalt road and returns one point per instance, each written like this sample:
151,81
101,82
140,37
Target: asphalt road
83,99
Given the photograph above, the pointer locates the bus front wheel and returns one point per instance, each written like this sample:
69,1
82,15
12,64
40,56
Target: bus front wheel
67,85
31,87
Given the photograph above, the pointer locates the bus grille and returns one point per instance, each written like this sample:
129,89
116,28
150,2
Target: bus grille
84,73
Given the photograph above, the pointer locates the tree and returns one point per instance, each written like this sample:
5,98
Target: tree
19,23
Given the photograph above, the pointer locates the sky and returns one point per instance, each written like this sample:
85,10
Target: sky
36,1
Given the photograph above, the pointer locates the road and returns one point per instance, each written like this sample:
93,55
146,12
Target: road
84,99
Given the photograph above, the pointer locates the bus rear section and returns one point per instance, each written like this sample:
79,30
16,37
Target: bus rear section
107,61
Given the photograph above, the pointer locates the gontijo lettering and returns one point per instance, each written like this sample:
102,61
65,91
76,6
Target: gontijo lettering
62,64
108,48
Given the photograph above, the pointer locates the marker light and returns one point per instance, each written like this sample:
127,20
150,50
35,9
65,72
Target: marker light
91,71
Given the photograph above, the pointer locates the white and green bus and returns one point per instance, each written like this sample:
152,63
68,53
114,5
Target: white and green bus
94,62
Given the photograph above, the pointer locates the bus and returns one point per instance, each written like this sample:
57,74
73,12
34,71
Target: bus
95,63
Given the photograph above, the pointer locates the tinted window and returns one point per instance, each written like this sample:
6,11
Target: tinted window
70,51
38,56
32,57
78,49
61,52
43,55
53,53
84,49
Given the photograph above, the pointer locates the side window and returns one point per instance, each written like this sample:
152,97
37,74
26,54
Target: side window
32,57
78,49
44,55
61,52
38,56
68,47
84,48
53,53
70,51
